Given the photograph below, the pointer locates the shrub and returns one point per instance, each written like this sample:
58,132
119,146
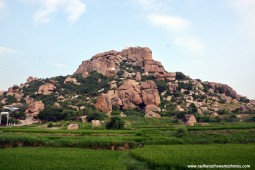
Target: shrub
134,112
180,76
96,115
50,125
51,114
192,108
115,123
180,131
180,115
11,99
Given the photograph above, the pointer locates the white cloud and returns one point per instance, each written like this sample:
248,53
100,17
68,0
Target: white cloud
59,65
158,13
169,22
48,7
2,4
191,44
246,12
153,5
5,50
73,8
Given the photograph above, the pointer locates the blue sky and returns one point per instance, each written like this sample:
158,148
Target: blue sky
208,39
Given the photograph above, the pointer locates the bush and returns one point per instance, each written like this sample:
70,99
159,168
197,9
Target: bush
96,115
192,108
11,99
180,115
180,76
56,114
115,123
180,132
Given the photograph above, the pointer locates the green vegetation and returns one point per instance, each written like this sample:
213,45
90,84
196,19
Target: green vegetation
56,114
179,156
153,143
59,158
115,123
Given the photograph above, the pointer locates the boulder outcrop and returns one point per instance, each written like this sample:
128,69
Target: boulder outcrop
130,95
34,108
46,89
108,63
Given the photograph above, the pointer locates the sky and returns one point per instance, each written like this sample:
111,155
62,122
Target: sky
211,40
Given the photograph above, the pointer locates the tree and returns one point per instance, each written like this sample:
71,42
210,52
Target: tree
115,123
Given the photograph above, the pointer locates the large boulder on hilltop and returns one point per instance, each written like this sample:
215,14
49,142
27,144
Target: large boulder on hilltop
223,88
103,103
106,63
136,54
153,67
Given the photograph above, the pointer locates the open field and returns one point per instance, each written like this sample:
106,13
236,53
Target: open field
179,156
137,136
148,157
58,158
145,144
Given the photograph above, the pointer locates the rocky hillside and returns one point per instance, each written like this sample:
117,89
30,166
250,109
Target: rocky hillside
129,81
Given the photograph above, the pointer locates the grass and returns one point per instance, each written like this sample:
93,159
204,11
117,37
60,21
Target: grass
59,158
148,157
179,156
144,135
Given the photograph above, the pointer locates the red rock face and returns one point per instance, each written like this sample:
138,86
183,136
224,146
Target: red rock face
108,63
46,89
34,108
130,95
104,103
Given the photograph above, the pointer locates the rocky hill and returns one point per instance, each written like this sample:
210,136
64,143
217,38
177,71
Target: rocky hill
130,82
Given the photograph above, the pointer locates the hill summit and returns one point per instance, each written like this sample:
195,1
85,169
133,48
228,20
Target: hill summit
130,82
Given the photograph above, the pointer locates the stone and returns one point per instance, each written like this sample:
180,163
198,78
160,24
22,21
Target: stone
113,84
168,98
179,108
138,77
76,108
96,123
170,76
83,119
148,84
46,89
34,108
127,104
104,104
172,86
56,105
151,96
61,97
31,79
152,107
214,114
152,114
73,127
71,80
122,114
191,121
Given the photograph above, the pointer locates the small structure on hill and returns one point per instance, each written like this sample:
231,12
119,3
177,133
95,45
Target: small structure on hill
7,114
